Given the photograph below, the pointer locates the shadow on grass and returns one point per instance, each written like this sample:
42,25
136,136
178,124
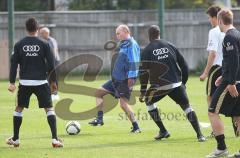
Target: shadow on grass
60,136
82,146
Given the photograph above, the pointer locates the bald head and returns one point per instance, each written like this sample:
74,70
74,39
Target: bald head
122,32
153,32
124,28
44,32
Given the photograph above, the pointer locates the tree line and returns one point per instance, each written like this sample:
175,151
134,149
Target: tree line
44,5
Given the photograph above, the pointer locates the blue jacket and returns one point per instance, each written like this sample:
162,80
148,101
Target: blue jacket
127,62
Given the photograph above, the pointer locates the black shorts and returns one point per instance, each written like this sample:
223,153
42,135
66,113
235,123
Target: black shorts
42,92
224,103
118,88
177,94
214,73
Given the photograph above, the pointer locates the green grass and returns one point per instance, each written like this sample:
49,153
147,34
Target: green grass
113,139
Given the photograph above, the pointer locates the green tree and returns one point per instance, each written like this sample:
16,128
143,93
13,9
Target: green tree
112,4
3,5
91,5
29,5
184,4
136,4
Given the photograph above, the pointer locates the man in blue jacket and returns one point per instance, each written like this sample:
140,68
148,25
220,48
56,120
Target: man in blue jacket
124,74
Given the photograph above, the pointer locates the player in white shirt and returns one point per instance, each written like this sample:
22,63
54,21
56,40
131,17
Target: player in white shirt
214,63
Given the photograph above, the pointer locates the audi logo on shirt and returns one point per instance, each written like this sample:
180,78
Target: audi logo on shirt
31,48
32,54
161,53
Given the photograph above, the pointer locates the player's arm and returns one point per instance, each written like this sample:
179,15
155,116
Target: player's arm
183,66
144,74
212,49
232,65
133,65
211,57
13,69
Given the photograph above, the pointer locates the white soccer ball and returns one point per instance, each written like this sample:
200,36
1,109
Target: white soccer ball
73,127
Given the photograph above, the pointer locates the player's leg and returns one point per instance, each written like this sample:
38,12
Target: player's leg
209,87
236,121
17,121
106,88
221,102
54,94
123,92
218,129
52,122
235,128
153,96
213,75
43,94
130,114
236,115
209,99
179,95
51,118
23,97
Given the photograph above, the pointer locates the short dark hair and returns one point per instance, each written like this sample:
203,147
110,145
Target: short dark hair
213,11
226,15
31,24
153,32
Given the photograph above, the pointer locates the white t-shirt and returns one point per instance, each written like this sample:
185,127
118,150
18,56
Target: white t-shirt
215,39
32,82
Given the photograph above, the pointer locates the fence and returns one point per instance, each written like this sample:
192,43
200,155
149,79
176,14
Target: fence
79,32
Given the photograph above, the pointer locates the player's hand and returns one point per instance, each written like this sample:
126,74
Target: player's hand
218,81
238,130
53,87
232,90
142,98
203,76
131,82
11,87
236,121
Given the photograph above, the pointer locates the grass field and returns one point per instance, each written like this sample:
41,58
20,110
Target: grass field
112,140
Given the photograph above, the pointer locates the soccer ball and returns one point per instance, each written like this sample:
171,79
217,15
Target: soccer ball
73,127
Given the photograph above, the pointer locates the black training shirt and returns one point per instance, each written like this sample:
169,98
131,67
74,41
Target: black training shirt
231,54
35,59
162,65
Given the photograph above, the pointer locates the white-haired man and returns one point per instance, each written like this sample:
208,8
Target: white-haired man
45,34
